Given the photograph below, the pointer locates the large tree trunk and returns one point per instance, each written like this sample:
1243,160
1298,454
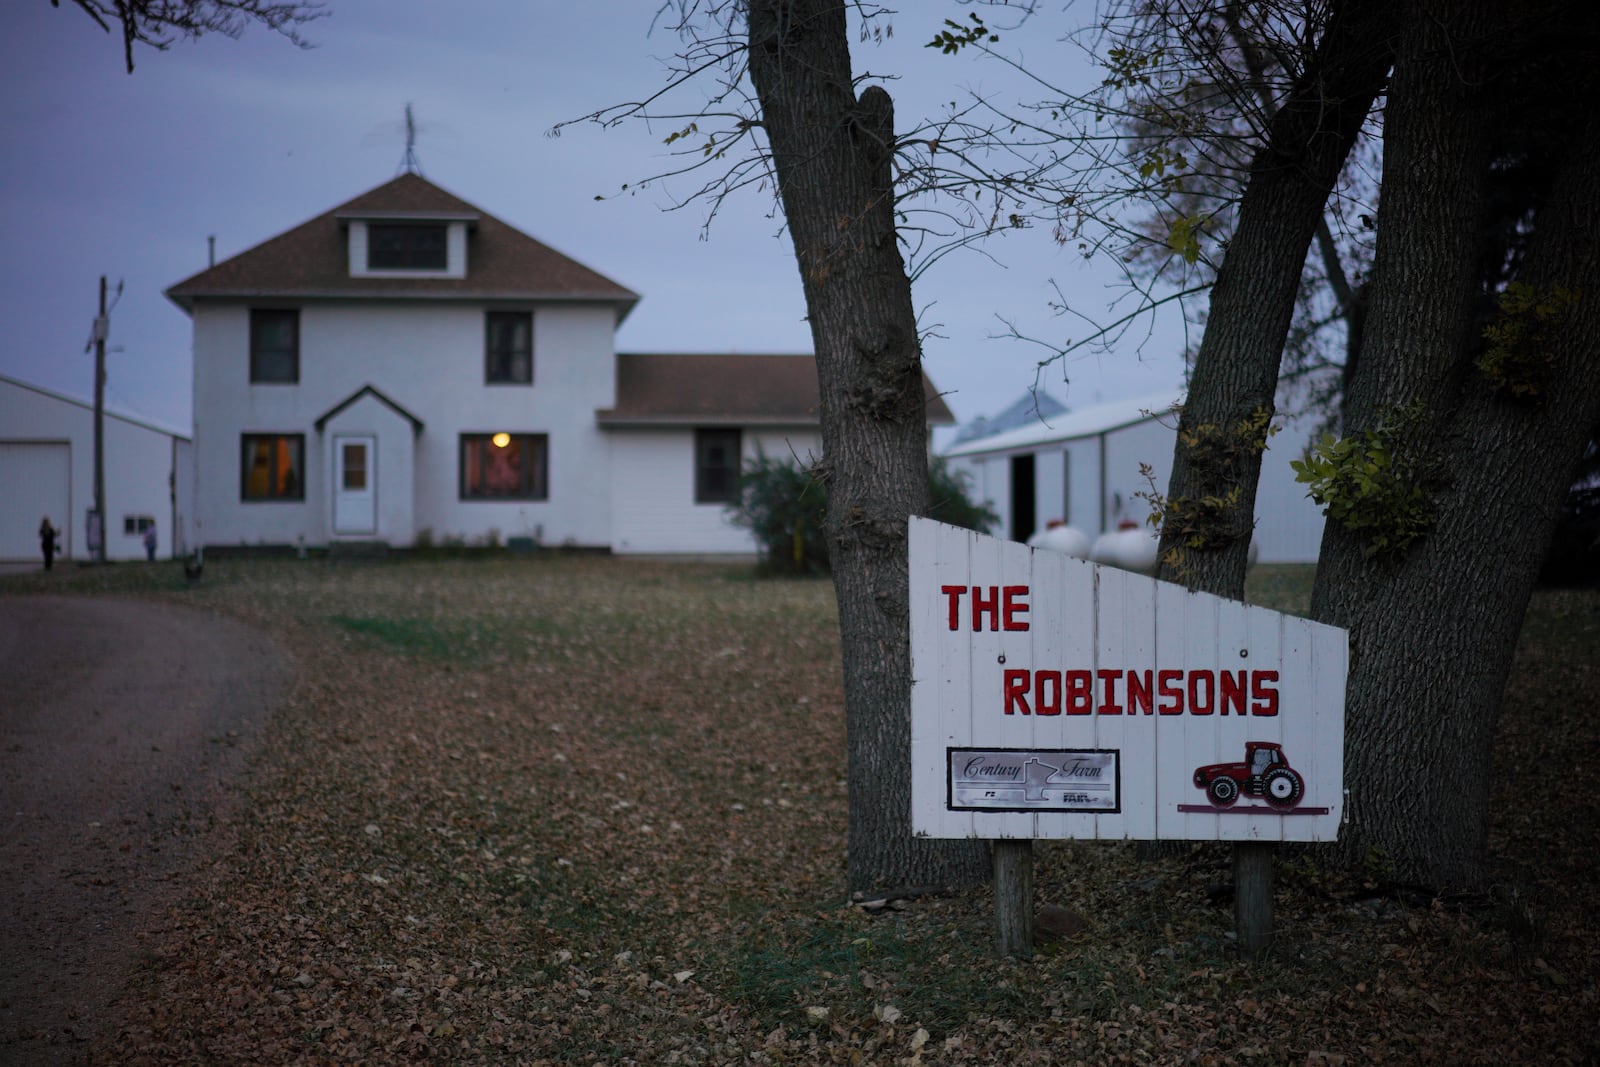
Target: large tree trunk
1433,632
1210,501
832,153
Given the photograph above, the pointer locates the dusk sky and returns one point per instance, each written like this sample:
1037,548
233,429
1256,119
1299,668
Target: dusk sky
102,172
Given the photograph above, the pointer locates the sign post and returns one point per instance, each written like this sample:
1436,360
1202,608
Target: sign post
1054,698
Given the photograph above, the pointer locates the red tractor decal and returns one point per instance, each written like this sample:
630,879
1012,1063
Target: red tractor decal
1264,773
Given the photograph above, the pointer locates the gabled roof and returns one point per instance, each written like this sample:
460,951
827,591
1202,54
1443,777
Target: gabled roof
372,391
1034,406
1077,424
313,260
170,429
726,390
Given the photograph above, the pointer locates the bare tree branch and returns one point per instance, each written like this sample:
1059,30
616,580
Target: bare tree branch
160,23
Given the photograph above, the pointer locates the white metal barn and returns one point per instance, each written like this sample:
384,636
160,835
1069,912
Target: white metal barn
47,469
1083,468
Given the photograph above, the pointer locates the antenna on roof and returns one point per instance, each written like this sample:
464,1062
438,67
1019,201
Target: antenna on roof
410,164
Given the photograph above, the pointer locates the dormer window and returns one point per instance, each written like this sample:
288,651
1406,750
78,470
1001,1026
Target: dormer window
395,244
407,246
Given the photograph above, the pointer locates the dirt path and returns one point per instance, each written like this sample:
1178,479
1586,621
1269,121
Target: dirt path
120,721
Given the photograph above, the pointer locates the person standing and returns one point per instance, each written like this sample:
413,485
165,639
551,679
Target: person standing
47,541
150,542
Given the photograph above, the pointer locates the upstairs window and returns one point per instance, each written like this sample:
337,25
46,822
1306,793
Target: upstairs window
412,246
272,466
508,348
505,466
716,466
274,346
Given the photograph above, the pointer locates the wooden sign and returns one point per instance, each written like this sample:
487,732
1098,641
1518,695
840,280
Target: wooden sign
1056,698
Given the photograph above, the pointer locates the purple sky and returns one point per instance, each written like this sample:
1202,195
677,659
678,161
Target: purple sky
106,173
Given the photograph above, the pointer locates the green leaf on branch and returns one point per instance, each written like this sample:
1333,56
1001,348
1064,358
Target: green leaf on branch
956,36
1183,237
1374,484
693,127
1129,67
1519,357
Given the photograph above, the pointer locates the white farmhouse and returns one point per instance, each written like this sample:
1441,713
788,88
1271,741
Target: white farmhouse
407,368
47,471
1083,468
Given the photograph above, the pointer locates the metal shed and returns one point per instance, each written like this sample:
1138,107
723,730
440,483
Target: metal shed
1084,468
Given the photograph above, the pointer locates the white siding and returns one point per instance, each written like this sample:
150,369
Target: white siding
1288,523
139,472
36,477
1049,488
183,497
1084,510
1101,469
654,509
428,358
1149,442
393,464
988,482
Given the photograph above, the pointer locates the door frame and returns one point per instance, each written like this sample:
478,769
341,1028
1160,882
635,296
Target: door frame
336,484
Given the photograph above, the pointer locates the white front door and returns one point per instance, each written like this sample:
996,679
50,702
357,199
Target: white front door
355,485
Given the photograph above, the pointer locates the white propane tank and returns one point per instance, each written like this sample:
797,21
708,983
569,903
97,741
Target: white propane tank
1129,548
1059,537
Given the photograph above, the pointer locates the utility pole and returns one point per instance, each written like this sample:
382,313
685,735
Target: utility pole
101,328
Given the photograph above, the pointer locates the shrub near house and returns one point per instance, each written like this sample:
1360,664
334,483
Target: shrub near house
785,506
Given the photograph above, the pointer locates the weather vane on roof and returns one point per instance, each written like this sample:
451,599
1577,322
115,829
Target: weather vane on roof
410,164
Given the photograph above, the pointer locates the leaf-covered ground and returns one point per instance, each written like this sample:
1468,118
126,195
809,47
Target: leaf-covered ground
582,810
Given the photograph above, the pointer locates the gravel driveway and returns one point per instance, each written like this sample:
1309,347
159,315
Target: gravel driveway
120,723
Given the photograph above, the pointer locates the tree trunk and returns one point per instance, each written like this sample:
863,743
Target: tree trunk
1433,633
832,154
1210,503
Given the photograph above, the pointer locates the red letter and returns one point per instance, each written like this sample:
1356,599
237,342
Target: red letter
1048,703
1138,692
1080,692
1233,692
1014,607
1016,686
1264,692
1196,705
980,607
1108,703
954,593
1166,680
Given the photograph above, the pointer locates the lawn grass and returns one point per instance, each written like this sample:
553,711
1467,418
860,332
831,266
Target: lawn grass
576,810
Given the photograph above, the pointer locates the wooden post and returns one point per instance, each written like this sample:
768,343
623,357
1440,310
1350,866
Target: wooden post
1013,897
1252,897
100,329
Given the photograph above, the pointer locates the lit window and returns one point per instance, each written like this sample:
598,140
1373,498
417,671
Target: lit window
272,466
504,466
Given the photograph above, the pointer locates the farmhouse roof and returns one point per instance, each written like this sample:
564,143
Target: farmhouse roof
1089,422
312,260
727,390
